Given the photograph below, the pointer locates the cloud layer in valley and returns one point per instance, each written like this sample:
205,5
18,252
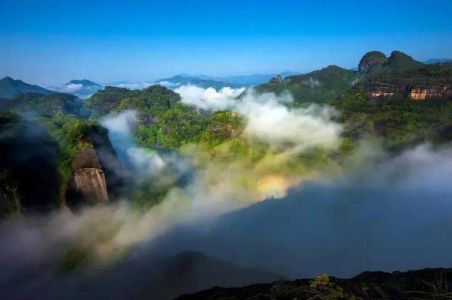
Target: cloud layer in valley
372,218
268,116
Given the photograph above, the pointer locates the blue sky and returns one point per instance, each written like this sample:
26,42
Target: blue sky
50,42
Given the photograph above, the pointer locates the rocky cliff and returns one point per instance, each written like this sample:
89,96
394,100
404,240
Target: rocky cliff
88,183
399,76
372,61
391,89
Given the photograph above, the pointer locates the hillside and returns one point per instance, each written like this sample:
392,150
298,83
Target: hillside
35,104
396,76
317,86
53,161
421,284
9,88
107,99
81,88
201,81
28,166
437,61
153,100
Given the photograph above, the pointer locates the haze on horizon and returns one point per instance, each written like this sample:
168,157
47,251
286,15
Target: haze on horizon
51,42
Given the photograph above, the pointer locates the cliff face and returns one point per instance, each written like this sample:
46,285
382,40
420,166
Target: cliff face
91,183
419,93
400,76
400,89
372,60
145,119
88,182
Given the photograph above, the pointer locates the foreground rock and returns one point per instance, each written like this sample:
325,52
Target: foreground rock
421,284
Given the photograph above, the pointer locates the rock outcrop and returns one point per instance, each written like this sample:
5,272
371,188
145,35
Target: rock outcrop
425,93
88,182
402,61
276,79
371,61
405,90
402,77
144,119
375,61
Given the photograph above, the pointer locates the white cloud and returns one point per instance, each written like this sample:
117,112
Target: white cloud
268,116
133,85
73,87
122,123
270,120
168,84
209,98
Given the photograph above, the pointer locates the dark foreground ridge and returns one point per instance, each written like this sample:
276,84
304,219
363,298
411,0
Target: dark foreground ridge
420,284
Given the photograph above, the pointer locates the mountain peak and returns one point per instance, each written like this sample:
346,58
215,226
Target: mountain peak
7,78
400,60
371,61
9,88
84,82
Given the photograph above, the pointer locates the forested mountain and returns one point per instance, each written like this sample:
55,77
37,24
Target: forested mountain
398,75
9,88
204,82
316,86
81,88
43,105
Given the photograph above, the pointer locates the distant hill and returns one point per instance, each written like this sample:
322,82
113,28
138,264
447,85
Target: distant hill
81,88
107,99
152,101
437,61
376,61
317,86
401,61
43,105
9,88
251,80
219,82
396,76
401,77
180,80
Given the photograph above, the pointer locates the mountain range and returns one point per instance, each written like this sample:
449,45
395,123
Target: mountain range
84,88
81,88
437,60
395,76
9,88
218,82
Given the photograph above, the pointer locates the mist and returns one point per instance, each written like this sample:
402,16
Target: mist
281,214
375,218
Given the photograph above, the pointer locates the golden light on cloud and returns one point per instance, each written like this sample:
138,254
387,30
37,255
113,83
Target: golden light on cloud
275,186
